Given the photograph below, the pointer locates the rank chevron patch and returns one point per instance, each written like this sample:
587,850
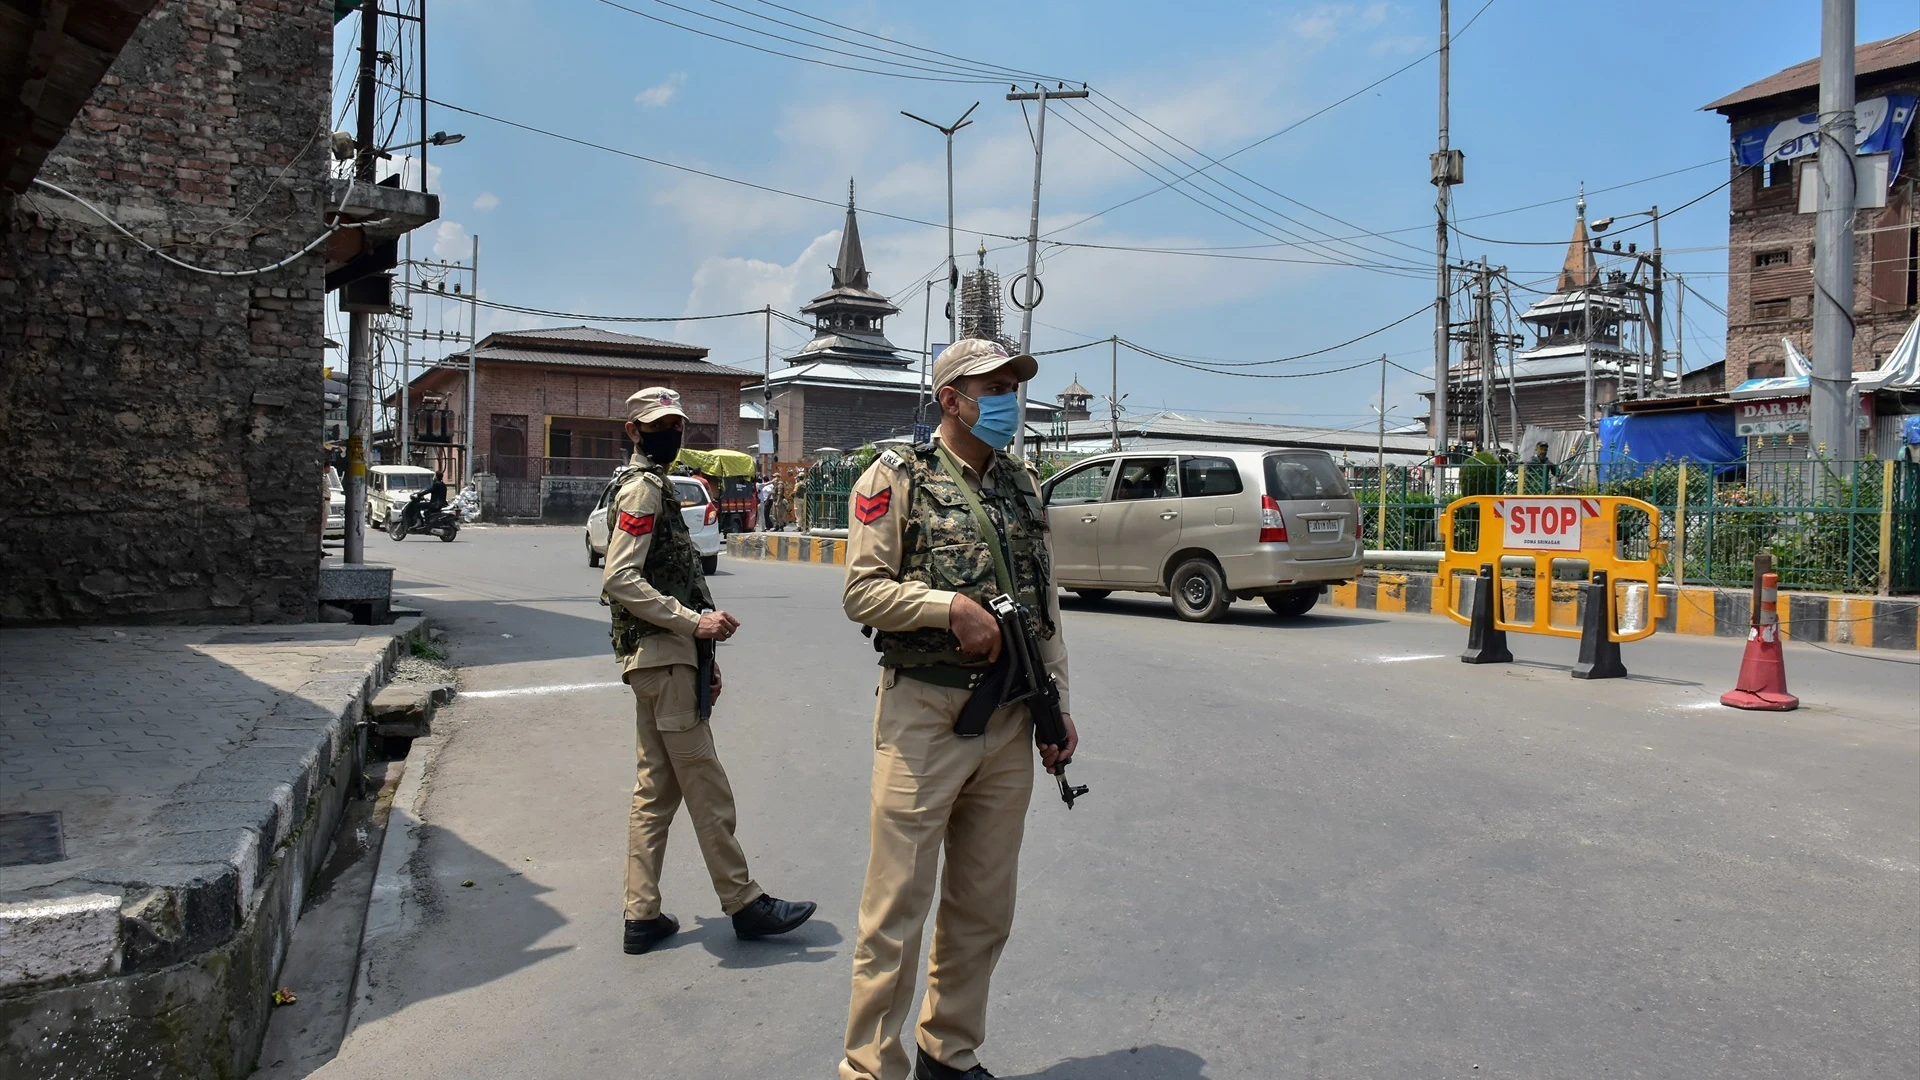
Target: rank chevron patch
871,508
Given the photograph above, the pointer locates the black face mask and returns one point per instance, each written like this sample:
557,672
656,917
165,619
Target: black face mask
661,447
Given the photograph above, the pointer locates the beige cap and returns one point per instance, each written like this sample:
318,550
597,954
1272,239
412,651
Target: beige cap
653,403
977,356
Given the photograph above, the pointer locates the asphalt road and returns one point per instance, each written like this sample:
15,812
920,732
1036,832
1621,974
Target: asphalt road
1314,848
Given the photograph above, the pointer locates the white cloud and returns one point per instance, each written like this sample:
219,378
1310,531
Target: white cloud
655,97
486,201
451,241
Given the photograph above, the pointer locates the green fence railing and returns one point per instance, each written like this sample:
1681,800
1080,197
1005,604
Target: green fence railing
1825,523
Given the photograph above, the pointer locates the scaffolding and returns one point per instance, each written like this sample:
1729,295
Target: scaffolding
981,315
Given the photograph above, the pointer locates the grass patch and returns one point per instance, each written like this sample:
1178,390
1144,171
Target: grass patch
427,650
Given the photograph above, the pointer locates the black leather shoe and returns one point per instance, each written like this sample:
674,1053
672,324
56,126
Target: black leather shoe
644,934
767,916
925,1068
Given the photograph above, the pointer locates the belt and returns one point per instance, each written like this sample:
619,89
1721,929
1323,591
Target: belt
952,676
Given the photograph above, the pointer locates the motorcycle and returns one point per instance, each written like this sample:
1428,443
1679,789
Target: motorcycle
442,521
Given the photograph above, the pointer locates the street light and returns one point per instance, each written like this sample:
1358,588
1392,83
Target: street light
438,138
953,269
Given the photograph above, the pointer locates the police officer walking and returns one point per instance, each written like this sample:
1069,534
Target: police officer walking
660,608
920,572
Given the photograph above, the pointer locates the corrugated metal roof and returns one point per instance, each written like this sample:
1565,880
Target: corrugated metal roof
1875,56
665,365
587,335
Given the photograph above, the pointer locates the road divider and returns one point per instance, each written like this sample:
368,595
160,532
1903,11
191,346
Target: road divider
788,547
1696,610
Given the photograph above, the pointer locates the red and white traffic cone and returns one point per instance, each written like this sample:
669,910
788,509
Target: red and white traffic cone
1763,668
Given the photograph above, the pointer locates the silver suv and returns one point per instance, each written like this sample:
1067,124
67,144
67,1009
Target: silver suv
1205,528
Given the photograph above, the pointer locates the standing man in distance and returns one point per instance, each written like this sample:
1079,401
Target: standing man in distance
920,572
660,607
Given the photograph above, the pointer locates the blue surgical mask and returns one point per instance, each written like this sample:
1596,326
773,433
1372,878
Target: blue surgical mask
999,417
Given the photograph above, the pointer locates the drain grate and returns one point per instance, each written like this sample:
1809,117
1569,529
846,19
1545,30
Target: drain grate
29,839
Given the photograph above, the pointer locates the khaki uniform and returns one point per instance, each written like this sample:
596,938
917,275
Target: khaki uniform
931,789
677,761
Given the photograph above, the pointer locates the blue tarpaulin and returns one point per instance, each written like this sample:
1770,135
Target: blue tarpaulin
1627,443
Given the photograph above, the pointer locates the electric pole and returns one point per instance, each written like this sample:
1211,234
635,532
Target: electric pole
406,357
926,352
1448,169
953,268
1833,402
766,393
473,360
1659,308
359,328
1113,402
1040,94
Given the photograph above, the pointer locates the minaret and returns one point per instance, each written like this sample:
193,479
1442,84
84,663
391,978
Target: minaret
849,319
1578,271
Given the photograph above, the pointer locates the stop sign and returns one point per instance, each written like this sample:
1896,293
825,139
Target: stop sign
1540,524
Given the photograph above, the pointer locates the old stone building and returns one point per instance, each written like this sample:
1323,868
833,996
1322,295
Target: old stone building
550,407
1770,239
160,428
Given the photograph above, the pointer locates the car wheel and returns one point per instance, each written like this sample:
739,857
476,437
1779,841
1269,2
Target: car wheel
594,558
709,564
1199,592
1293,604
1093,596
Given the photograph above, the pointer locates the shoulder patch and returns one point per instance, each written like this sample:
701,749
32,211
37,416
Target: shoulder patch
871,508
635,524
892,460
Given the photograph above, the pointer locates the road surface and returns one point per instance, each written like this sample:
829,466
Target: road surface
1314,848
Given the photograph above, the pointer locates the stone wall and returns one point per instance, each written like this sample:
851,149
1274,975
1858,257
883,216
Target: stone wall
1767,303
160,429
842,418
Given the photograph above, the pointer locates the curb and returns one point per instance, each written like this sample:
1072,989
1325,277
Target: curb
788,547
386,916
1699,611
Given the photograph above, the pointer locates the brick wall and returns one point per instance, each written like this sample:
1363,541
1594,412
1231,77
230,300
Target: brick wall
1766,303
817,416
538,392
160,430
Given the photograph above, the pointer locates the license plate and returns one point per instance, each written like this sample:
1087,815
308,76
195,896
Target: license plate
1329,525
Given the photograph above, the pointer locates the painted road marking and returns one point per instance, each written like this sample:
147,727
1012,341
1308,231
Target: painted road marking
1401,659
524,691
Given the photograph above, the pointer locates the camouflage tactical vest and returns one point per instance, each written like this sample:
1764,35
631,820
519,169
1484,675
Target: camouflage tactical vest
672,566
944,550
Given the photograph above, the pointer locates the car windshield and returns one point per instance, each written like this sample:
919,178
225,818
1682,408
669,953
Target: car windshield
690,492
1304,476
409,481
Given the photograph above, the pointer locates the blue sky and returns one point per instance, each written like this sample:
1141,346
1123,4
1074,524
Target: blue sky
1545,96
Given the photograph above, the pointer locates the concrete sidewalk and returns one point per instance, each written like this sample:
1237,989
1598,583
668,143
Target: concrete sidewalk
165,795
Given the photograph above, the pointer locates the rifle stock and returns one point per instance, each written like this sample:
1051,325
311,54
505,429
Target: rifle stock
1034,684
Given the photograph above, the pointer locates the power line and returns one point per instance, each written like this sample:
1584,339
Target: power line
1629,228
1144,351
995,71
837,204
1416,62
948,78
905,45
1421,310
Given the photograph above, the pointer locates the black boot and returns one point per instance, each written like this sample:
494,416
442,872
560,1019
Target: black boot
767,916
644,934
925,1068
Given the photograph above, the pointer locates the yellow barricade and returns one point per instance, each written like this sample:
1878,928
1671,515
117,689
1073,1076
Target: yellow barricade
1543,530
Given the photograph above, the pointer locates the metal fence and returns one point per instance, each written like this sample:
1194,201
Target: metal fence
1830,526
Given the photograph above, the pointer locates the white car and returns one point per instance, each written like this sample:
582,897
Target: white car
702,515
336,506
390,486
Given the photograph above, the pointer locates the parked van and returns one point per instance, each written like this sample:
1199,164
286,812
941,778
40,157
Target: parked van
1205,528
390,486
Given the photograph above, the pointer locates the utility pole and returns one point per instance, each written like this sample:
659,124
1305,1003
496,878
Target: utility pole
473,360
1113,401
1447,169
1659,309
406,356
1484,317
1833,401
1040,94
359,328
766,387
1380,449
1679,327
953,268
926,350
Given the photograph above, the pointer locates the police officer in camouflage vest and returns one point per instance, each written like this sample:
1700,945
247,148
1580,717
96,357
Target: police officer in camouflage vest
661,606
919,573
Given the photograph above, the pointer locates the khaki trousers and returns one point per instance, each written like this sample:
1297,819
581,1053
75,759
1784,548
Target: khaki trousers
677,762
931,789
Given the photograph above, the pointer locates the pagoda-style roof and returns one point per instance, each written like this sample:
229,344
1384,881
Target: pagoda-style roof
1074,389
849,317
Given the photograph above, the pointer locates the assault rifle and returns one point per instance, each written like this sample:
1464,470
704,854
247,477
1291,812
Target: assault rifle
703,676
1027,679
